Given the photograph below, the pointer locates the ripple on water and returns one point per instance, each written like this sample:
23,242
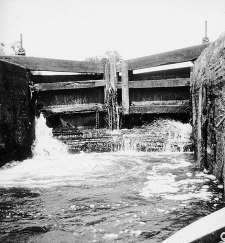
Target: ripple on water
125,196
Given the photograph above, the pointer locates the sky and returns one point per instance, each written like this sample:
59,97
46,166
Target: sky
78,29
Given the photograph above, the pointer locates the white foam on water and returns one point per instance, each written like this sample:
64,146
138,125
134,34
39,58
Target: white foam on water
174,164
163,181
51,163
159,184
45,144
110,236
165,184
50,172
162,136
189,196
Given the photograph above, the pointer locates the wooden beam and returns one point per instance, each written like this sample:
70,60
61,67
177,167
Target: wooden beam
157,110
75,108
113,73
160,102
148,107
163,74
65,78
160,107
181,82
112,109
171,57
69,85
106,78
178,82
125,88
57,65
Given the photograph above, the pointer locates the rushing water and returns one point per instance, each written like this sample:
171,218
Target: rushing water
123,196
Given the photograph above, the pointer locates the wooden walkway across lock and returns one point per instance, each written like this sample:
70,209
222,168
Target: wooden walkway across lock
113,77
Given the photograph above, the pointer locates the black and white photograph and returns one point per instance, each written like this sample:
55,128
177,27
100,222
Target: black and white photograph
112,121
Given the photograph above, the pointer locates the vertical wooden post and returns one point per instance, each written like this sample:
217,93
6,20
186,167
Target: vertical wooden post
107,88
113,109
106,77
125,87
113,75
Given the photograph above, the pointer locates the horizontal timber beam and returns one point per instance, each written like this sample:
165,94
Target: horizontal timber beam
158,110
76,108
160,107
170,57
164,83
163,74
143,107
177,82
160,102
65,78
56,65
69,85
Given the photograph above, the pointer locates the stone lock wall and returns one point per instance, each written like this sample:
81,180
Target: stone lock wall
16,114
208,102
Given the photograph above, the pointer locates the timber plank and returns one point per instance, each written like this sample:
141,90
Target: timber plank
177,82
125,88
76,108
163,74
64,78
160,102
159,107
69,85
170,57
172,109
147,107
57,65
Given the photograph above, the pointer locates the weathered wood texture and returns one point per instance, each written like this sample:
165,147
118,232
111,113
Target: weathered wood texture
208,101
125,88
76,108
160,107
71,97
17,116
179,82
106,78
159,94
159,110
111,103
57,65
69,85
171,57
161,103
163,83
79,121
113,72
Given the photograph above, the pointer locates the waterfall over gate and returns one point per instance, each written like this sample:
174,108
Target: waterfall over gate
145,183
162,135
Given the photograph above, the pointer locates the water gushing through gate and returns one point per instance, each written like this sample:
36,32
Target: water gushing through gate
159,136
45,144
148,188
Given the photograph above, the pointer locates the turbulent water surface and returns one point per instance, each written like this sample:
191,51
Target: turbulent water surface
123,196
